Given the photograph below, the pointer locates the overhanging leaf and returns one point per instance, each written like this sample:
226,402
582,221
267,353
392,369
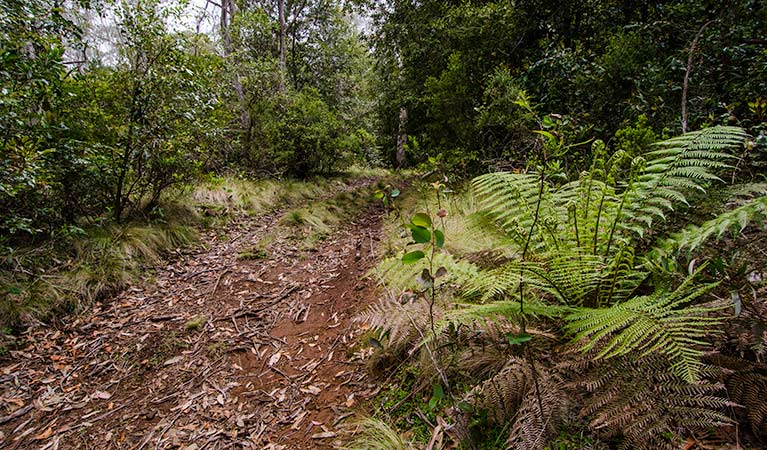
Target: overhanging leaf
421,220
412,257
421,235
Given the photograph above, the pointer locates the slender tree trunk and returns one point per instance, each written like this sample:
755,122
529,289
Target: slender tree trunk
283,64
401,138
228,9
686,82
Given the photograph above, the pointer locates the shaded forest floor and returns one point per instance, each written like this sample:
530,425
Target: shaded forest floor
213,350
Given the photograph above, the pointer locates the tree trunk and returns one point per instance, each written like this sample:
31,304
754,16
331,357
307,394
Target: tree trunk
283,64
686,83
228,9
401,138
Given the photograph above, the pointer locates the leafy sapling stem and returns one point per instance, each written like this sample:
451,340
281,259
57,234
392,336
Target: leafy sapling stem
432,239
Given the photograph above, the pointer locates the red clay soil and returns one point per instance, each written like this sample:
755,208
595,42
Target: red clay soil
209,352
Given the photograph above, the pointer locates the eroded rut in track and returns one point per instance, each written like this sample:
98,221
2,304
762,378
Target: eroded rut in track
208,352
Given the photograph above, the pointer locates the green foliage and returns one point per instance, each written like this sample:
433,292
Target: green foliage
576,257
312,116
456,67
146,119
306,136
106,139
661,323
635,140
31,56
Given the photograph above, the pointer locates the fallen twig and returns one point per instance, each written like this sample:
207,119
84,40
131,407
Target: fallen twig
16,414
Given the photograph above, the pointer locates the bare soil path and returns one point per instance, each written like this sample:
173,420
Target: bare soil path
209,352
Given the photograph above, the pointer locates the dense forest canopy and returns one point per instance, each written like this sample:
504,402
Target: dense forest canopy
571,197
600,66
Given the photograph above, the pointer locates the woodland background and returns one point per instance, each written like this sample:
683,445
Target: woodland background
618,147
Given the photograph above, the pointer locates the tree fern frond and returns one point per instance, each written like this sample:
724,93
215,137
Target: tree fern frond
737,219
747,385
564,278
620,279
652,324
467,313
485,349
511,199
531,399
538,421
681,164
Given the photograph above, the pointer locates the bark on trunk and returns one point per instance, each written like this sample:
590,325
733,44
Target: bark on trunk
401,138
283,64
228,9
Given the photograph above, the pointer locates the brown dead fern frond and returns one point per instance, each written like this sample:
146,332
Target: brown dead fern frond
485,349
533,427
646,403
530,399
746,383
749,388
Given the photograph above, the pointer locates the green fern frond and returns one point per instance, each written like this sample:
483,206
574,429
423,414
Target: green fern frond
652,324
679,165
563,278
737,220
511,200
467,313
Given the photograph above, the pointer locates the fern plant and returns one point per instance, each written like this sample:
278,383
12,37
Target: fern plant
575,254
514,396
583,245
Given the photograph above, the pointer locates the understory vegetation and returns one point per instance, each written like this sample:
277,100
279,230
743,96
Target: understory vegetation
529,304
574,243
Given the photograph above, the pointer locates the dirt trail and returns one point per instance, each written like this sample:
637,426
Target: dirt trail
208,352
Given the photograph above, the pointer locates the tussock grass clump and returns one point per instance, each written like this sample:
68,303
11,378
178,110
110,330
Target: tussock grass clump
315,221
374,434
41,282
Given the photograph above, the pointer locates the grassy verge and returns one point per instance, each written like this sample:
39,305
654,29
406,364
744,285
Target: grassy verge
71,270
314,221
